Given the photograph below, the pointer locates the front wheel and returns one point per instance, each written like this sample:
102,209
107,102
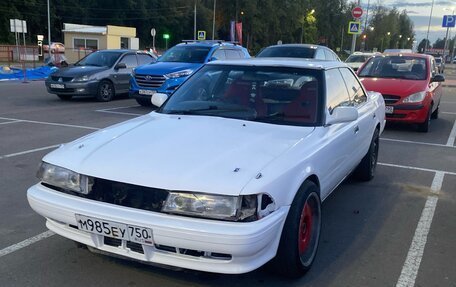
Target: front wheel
105,91
426,125
301,233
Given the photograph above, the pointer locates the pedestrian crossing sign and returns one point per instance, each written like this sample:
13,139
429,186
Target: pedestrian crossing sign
201,35
354,27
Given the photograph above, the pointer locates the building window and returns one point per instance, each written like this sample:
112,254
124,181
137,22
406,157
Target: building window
89,44
124,43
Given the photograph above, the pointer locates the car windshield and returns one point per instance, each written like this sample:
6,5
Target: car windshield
186,54
99,59
403,67
288,96
289,52
357,59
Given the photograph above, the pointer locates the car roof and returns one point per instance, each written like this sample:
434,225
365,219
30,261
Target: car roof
424,56
209,43
283,62
312,46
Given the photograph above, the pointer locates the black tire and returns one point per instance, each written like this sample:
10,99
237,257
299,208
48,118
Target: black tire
105,92
299,243
65,97
426,125
365,170
435,114
144,102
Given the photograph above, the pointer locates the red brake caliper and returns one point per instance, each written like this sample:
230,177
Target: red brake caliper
305,228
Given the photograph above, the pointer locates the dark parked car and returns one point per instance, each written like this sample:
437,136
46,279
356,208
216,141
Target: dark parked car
102,74
306,51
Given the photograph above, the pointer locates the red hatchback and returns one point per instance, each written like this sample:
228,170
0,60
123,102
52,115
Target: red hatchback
410,85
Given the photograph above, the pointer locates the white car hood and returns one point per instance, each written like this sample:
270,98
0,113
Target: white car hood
191,153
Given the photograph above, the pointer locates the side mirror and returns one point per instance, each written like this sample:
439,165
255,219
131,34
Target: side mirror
342,115
438,78
120,66
158,99
213,59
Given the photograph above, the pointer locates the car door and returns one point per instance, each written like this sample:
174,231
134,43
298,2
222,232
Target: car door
436,87
122,76
366,116
337,156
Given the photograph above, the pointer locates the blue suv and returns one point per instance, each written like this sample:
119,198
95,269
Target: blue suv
176,65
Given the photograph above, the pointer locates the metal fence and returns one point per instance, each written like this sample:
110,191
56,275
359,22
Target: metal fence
11,54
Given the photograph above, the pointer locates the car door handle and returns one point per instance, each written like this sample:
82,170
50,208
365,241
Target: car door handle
356,129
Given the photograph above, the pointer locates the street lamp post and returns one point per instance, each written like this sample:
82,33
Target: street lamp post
49,29
429,25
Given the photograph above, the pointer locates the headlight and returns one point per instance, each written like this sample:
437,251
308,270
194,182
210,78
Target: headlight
232,208
84,78
415,98
64,178
179,74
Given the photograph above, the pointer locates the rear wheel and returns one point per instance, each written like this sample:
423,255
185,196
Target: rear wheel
105,91
144,102
365,171
426,125
301,233
65,97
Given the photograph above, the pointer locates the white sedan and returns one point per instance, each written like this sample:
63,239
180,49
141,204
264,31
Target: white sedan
228,174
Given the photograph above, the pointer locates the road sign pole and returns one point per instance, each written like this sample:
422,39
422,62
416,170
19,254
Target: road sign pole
353,47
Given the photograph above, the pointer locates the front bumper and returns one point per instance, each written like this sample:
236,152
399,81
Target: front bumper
168,87
250,244
409,113
73,88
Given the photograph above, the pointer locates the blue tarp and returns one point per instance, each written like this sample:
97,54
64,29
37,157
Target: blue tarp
39,73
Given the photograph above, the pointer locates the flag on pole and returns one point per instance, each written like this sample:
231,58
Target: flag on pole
239,32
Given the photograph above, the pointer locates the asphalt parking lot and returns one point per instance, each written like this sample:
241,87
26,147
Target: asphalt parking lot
397,230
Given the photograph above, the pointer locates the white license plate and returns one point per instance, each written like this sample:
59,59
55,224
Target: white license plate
389,110
58,86
147,92
117,230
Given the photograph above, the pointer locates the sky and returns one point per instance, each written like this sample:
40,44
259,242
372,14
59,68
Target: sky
419,12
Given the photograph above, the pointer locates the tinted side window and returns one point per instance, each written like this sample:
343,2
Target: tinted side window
336,93
130,61
320,54
232,54
145,59
354,87
219,54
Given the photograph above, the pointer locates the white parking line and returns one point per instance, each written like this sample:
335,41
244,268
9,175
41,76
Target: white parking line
414,142
11,122
28,151
416,168
452,136
448,102
119,113
415,253
25,243
117,108
448,113
110,111
52,124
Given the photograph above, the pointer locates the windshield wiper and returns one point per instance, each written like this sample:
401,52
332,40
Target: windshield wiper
214,109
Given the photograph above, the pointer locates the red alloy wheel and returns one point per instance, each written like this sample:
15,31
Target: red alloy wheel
305,228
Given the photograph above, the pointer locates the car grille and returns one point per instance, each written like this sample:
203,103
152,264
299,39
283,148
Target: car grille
391,99
123,194
150,81
64,79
